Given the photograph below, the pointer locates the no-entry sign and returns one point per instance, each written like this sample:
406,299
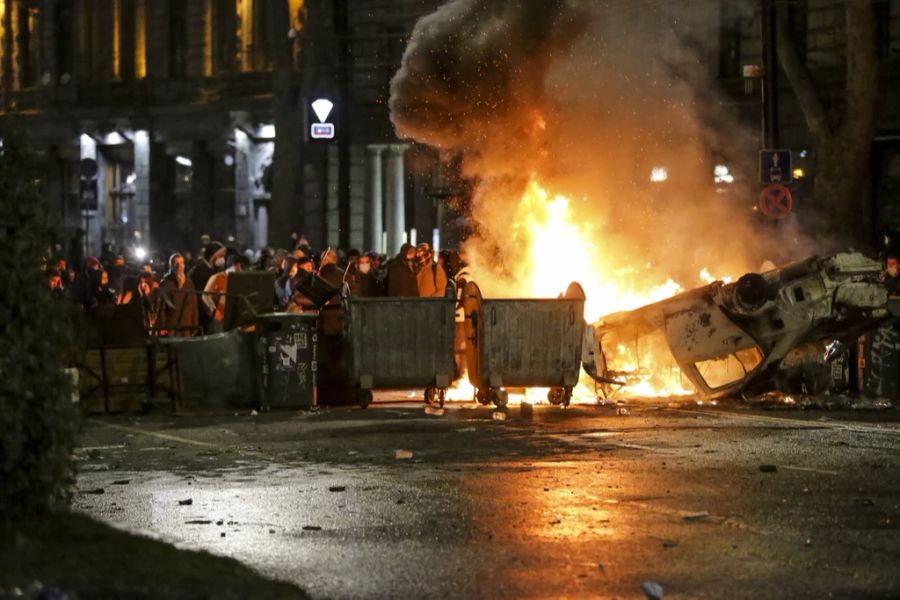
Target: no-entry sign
776,201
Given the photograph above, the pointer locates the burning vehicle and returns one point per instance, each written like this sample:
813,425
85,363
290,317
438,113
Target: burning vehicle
782,329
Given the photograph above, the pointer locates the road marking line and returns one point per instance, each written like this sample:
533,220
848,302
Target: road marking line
159,435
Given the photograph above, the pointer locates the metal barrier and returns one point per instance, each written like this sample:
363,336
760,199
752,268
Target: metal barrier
523,343
400,343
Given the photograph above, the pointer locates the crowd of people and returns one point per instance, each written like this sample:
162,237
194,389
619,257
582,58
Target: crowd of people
185,294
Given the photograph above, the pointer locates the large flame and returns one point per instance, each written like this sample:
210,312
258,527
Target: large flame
557,247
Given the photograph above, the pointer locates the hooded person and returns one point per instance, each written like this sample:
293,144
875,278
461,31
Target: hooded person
401,275
431,277
177,312
86,290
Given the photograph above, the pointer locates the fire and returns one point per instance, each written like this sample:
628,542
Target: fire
557,248
562,250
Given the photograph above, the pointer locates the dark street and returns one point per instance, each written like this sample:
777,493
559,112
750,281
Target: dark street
706,501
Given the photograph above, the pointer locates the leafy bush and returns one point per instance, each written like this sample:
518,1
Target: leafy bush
37,418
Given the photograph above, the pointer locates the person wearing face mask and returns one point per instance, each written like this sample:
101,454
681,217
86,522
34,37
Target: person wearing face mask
401,276
177,311
891,275
361,279
431,277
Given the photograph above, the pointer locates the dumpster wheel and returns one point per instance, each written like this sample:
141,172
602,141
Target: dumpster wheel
364,397
498,396
430,394
442,395
560,396
483,397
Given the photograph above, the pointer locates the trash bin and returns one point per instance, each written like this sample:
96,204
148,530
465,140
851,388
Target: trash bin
286,353
215,371
531,342
400,343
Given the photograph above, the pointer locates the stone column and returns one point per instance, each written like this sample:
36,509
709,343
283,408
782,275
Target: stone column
395,196
374,200
140,209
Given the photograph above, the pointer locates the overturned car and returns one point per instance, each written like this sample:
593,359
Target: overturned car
781,329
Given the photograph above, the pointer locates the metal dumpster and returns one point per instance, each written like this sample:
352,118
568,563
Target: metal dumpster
286,353
400,343
215,370
523,343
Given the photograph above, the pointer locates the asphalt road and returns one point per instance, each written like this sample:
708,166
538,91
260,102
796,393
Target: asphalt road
584,502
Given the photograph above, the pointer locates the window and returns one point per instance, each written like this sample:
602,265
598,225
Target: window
178,38
730,41
253,34
719,372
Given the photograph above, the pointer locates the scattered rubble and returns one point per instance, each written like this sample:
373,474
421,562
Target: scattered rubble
652,590
187,502
768,468
402,454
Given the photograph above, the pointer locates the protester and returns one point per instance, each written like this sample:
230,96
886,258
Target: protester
177,305
361,279
212,260
431,278
401,273
86,289
283,283
57,289
329,270
891,275
213,296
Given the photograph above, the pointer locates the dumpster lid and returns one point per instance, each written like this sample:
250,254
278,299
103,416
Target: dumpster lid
319,291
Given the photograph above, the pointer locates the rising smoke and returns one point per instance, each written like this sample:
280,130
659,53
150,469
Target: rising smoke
588,97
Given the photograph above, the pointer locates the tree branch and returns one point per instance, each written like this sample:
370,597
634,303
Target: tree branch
799,76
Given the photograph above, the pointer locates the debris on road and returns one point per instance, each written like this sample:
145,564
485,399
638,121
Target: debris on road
198,522
402,454
622,412
695,516
95,492
652,590
434,411
253,413
187,502
466,430
768,468
337,488
499,415
526,409
311,528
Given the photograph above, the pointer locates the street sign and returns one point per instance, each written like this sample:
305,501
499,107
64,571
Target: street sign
775,166
322,131
776,201
88,193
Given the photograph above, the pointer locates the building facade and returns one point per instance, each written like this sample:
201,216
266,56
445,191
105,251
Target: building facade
156,116
155,119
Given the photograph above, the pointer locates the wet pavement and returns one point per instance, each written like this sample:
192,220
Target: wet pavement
707,502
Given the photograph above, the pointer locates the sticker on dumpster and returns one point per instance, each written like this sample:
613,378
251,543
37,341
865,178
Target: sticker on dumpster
300,340
288,356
